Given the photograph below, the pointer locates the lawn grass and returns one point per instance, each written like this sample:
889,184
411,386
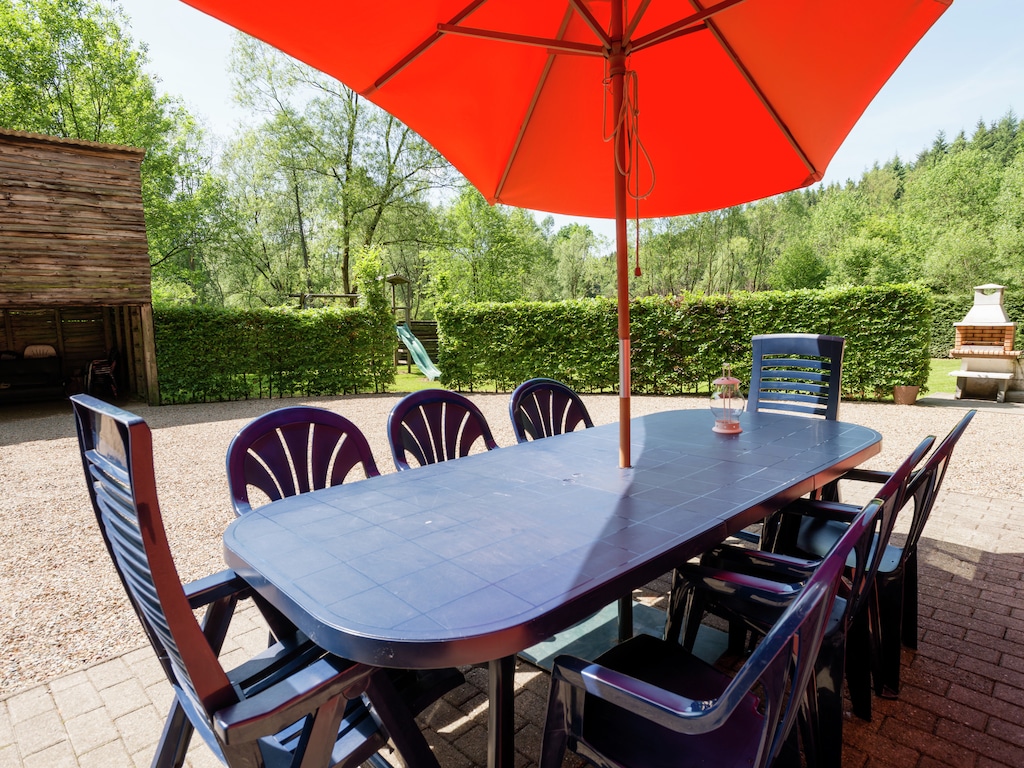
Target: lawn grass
412,382
938,379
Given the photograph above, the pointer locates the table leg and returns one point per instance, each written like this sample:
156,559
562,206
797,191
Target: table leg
500,724
625,617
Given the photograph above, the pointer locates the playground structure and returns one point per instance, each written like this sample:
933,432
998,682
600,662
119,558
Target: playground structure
416,335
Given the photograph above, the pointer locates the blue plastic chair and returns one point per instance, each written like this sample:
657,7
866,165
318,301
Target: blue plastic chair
435,425
292,704
543,407
294,450
796,373
753,588
650,702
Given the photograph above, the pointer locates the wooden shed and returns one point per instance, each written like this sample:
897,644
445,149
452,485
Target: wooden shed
74,265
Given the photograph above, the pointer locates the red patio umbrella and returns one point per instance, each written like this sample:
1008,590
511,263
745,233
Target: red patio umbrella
571,106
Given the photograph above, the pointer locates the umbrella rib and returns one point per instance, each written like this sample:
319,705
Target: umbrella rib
814,173
681,26
420,49
590,21
529,111
556,45
628,34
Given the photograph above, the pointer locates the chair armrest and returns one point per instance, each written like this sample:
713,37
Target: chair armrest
658,705
735,584
867,475
299,695
759,562
822,510
216,586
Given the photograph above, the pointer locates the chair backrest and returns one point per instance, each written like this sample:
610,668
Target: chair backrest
869,551
435,425
293,450
925,483
117,455
796,373
545,407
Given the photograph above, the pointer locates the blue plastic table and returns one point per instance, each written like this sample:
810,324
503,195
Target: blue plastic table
476,559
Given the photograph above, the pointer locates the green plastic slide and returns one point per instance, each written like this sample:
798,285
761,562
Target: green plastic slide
419,354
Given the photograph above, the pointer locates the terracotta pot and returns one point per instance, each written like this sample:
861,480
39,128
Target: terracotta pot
905,395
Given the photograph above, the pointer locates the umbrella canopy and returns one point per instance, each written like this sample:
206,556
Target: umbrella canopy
564,105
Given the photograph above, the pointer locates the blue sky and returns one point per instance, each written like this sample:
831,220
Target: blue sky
970,66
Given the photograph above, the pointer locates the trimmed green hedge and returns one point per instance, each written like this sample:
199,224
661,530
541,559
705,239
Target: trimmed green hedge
680,343
206,354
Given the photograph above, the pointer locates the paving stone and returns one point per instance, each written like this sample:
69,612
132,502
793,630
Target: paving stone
59,755
6,726
109,673
140,730
91,730
112,755
77,700
28,704
124,697
39,733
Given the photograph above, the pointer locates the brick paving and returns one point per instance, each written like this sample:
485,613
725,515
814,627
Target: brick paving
962,701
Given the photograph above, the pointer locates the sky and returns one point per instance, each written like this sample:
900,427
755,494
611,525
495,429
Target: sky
969,67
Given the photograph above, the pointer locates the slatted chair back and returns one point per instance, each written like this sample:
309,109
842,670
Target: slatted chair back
925,484
435,425
544,407
650,702
796,373
117,454
294,450
893,495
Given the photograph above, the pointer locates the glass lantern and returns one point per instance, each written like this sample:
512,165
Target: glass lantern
727,402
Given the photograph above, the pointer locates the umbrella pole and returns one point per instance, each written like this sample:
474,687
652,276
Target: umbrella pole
617,72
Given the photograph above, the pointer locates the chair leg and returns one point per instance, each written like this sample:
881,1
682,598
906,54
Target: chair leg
555,740
674,613
828,727
890,605
860,656
692,614
174,741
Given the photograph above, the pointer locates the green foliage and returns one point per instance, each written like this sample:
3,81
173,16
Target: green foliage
680,343
369,279
206,354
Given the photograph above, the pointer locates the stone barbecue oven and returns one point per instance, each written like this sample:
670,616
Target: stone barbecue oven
984,344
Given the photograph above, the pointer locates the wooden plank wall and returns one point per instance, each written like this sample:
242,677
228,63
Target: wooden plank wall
74,258
72,230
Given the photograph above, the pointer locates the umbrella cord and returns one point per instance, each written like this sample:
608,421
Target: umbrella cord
628,119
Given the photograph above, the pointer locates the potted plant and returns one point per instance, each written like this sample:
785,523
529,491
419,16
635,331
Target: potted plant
911,381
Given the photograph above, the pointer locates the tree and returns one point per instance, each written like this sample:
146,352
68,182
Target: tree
67,69
487,259
948,219
575,249
359,174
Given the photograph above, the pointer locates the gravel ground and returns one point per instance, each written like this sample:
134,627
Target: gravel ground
61,606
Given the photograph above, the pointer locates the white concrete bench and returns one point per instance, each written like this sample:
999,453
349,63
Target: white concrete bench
1002,378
